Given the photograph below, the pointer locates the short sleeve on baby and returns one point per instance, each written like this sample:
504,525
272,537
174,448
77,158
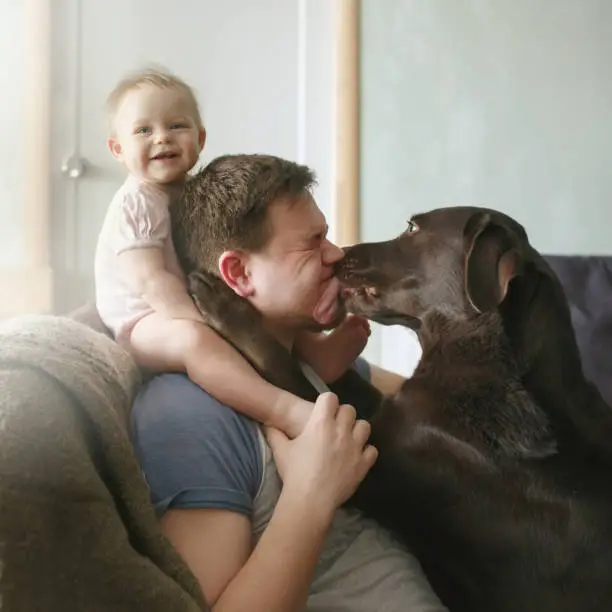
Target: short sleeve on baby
142,220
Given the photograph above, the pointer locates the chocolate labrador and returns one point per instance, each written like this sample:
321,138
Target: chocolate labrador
496,455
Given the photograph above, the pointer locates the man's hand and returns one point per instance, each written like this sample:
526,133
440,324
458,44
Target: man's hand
329,459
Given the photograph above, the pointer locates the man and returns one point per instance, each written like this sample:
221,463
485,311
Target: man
251,543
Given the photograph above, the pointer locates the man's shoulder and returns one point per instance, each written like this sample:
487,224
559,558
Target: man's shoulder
195,451
168,401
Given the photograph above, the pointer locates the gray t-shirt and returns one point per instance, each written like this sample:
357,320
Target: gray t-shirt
198,453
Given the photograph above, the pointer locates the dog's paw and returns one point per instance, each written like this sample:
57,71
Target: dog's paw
220,307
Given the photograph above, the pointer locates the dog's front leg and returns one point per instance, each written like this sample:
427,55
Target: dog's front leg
353,389
240,324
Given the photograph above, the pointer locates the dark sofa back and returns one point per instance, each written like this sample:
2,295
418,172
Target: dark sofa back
588,286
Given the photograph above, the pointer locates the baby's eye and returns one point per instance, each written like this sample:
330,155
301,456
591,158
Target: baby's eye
412,228
143,130
178,126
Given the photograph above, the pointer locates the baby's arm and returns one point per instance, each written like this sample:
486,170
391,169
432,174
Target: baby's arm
145,271
142,226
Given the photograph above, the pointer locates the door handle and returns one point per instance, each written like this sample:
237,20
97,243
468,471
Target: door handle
74,167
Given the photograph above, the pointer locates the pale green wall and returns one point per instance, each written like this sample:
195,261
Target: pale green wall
502,103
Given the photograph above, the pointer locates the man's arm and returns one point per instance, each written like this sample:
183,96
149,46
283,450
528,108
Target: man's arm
321,469
201,461
214,543
275,576
204,467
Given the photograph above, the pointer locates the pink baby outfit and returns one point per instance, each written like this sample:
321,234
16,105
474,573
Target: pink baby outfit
138,217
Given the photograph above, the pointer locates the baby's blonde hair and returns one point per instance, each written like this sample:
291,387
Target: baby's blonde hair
155,77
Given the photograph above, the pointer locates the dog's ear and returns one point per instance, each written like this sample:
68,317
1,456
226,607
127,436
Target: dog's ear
492,260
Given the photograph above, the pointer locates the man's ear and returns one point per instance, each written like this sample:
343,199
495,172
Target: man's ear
233,270
115,148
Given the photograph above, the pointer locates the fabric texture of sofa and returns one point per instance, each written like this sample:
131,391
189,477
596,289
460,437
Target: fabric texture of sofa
587,282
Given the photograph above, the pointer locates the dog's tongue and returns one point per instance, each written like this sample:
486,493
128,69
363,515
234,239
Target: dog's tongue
327,307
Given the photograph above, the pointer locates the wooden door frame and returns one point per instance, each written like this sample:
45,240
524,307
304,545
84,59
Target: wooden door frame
27,286
347,122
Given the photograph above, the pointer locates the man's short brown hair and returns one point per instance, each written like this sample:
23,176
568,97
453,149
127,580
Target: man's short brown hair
225,206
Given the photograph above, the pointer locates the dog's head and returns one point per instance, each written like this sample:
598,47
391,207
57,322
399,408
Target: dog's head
458,261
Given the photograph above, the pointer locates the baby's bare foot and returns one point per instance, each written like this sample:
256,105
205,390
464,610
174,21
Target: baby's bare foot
334,353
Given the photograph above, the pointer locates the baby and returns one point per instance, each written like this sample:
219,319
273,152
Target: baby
157,133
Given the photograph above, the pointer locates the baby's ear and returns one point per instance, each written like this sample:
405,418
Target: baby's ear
202,138
115,148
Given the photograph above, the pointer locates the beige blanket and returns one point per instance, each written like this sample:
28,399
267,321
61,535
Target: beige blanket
77,531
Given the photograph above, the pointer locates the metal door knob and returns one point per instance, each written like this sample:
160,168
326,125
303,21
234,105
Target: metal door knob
74,167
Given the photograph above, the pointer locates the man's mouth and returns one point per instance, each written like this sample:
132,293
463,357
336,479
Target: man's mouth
327,307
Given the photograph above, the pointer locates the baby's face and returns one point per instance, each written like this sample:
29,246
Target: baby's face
156,134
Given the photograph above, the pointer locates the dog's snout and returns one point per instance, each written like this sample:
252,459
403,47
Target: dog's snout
355,257
348,263
345,266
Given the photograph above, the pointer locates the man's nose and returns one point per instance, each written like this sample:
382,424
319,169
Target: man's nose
331,253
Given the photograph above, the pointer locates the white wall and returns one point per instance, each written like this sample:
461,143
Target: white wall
13,171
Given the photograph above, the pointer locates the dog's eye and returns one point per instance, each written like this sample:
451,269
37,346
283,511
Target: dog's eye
412,228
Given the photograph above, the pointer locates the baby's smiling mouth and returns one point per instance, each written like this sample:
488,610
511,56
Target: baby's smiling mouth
165,156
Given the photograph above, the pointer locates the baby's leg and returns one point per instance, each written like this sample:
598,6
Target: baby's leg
330,355
181,345
164,345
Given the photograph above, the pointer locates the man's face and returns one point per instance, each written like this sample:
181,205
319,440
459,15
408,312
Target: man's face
292,277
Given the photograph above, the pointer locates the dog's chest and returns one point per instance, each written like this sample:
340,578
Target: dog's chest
494,415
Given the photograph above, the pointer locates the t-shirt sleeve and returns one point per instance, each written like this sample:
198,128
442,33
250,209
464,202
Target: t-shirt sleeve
194,451
142,221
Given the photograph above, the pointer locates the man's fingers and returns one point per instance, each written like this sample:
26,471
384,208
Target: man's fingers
361,431
277,440
370,455
346,416
326,406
